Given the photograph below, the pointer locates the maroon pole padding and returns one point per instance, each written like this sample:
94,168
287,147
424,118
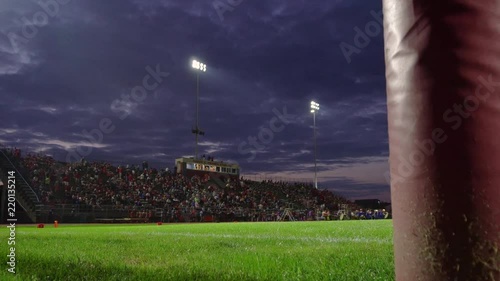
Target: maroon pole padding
443,95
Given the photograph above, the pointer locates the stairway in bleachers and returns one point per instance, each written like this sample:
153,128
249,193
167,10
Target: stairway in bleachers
26,198
217,181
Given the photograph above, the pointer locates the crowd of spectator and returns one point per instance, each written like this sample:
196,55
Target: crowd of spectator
142,190
369,214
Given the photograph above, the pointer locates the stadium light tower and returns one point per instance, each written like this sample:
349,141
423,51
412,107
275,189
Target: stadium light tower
199,67
314,108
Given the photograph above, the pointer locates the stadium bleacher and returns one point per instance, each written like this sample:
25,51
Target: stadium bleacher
100,192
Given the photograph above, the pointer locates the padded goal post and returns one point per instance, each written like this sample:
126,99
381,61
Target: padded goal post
443,95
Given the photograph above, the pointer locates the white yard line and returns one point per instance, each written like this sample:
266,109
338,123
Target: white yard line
314,239
267,237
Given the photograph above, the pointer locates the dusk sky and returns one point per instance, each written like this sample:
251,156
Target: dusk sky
112,81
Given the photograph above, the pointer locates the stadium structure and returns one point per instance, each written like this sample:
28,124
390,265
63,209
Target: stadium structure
198,190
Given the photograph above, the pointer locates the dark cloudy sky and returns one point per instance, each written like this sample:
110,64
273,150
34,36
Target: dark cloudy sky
69,66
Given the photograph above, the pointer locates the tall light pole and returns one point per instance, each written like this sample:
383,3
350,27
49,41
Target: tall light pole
314,108
199,67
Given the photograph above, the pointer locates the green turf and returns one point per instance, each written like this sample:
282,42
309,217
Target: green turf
333,250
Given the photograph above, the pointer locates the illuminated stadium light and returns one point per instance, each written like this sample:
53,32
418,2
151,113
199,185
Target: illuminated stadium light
199,66
314,108
196,130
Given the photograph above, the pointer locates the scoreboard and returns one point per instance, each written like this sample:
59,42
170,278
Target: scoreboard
187,166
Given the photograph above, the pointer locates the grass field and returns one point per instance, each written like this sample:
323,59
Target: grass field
328,250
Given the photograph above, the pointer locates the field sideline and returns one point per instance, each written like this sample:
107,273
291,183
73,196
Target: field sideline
327,250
